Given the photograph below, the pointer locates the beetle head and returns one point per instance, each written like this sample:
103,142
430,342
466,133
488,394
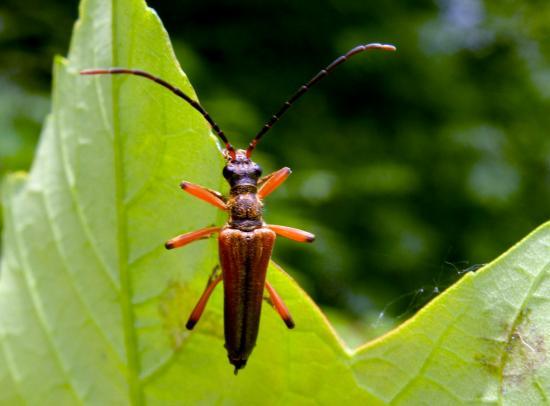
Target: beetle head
241,170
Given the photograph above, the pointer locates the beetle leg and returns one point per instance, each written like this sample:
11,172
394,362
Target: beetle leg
279,305
265,178
292,233
187,238
208,195
196,314
269,183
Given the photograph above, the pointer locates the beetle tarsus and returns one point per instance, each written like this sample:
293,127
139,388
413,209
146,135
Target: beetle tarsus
292,233
196,314
278,304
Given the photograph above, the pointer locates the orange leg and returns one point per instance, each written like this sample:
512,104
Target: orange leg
279,305
292,233
196,314
269,183
187,238
209,196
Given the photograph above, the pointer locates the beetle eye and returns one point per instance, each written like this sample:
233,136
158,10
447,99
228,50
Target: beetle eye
228,171
257,171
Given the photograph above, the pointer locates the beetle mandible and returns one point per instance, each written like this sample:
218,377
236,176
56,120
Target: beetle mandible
245,241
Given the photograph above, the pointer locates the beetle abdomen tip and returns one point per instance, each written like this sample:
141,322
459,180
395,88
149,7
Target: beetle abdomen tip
238,363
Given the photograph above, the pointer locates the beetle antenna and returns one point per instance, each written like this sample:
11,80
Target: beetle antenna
173,89
305,87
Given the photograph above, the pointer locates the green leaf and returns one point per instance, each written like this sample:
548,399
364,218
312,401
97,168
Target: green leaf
92,307
485,340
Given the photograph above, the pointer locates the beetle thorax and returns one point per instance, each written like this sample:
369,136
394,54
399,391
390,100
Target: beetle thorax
245,207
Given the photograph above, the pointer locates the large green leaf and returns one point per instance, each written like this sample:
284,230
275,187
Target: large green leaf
92,307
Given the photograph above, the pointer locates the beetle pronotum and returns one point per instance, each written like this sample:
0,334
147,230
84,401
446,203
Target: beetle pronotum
245,241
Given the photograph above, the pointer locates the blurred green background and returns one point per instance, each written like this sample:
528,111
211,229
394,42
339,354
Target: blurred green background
411,168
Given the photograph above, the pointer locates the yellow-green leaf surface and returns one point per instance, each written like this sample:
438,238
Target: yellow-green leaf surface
92,307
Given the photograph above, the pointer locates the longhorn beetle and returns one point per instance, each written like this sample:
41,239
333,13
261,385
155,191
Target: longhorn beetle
245,241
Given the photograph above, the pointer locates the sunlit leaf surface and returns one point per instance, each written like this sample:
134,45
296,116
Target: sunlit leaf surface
92,306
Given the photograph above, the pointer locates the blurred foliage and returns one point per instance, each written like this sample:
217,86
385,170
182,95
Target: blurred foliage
409,167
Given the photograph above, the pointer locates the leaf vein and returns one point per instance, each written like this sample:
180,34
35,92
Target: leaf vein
429,356
10,368
80,215
72,283
34,300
